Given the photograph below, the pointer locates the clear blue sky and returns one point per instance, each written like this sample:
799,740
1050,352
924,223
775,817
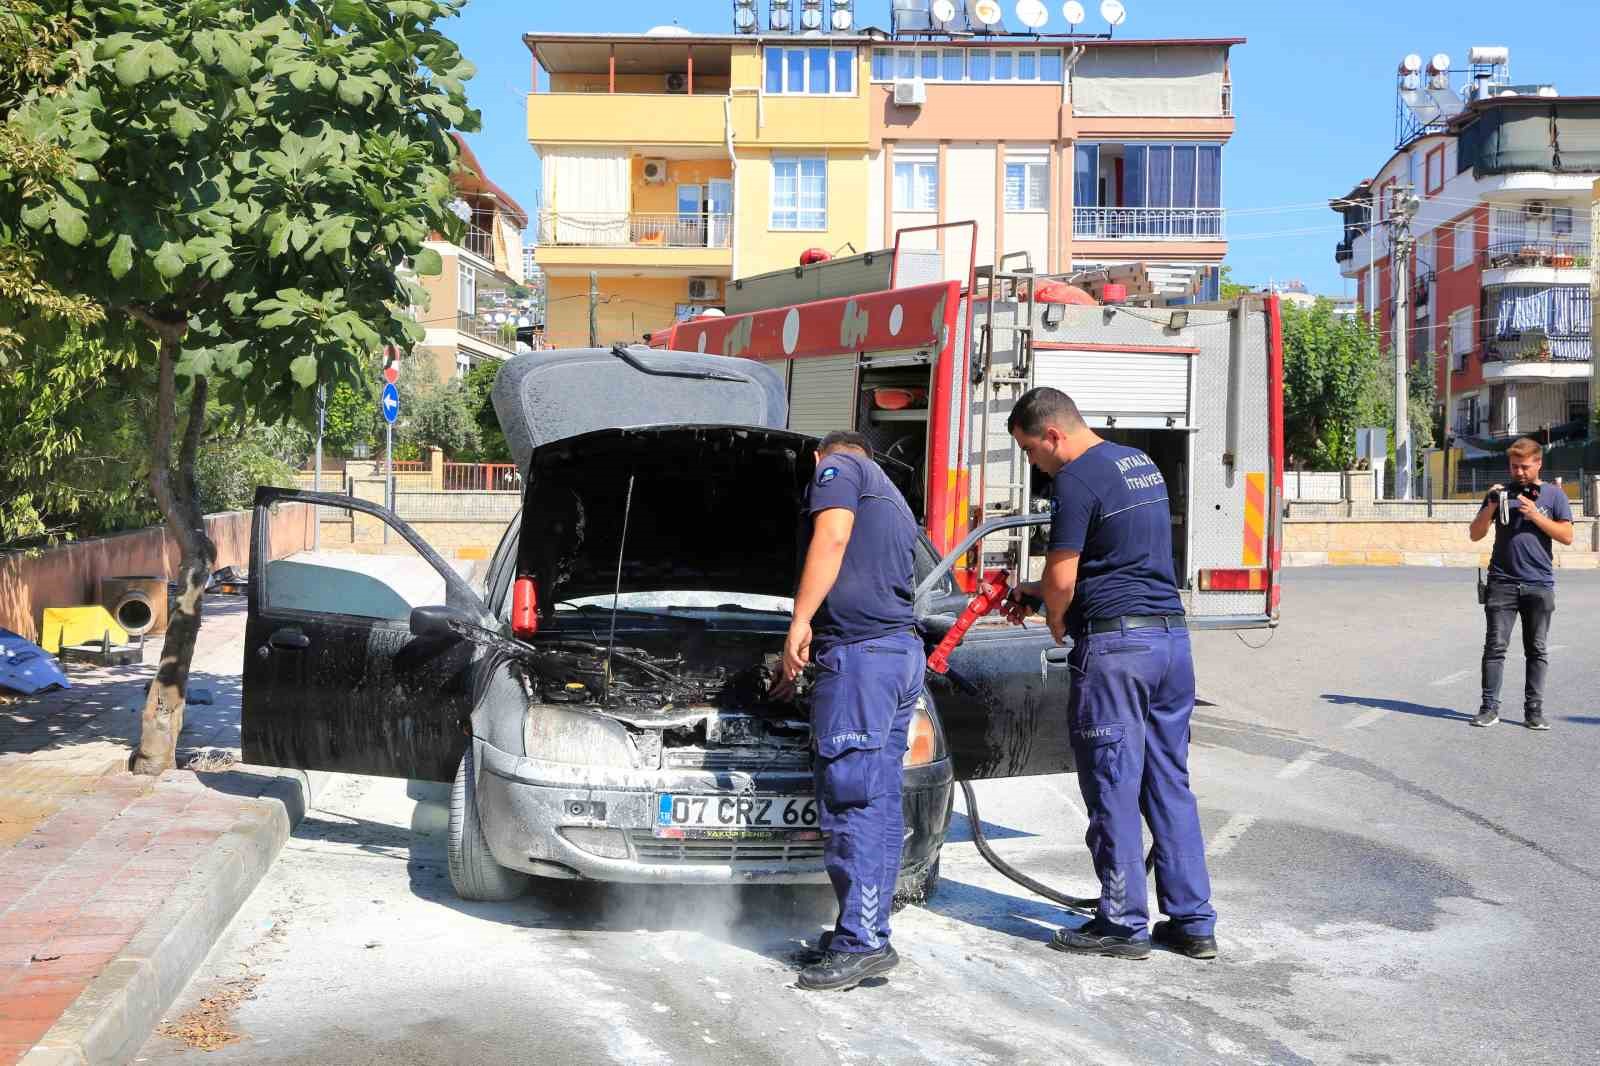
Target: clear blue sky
1313,91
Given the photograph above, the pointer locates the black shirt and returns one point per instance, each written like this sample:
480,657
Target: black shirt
872,595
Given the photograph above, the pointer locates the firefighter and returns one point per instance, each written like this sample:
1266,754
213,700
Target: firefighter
1108,583
853,619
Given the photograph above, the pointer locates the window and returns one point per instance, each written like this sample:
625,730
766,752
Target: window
1027,186
1435,171
800,193
1461,336
968,64
916,186
1463,243
1561,221
466,288
1578,401
813,71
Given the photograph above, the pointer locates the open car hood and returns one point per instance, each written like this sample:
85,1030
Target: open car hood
715,508
542,397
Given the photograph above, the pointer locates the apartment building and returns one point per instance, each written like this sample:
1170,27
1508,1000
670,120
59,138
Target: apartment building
1500,275
1068,158
675,162
471,314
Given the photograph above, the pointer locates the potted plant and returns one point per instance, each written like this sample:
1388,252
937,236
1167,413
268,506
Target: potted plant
1561,260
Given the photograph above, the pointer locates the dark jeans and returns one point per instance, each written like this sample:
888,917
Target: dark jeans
1505,601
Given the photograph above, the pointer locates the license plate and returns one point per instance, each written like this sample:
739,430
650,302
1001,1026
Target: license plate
681,815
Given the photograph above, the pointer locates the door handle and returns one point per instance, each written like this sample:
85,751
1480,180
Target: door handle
290,639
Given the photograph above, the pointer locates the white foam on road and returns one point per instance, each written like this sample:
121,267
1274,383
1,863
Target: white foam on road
1229,834
1301,765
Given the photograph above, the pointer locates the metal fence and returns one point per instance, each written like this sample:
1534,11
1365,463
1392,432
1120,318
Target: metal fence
1313,485
622,228
1148,223
482,477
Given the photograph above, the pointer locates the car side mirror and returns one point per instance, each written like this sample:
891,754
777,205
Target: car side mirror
438,623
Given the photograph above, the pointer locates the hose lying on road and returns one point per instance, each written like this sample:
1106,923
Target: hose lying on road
1084,905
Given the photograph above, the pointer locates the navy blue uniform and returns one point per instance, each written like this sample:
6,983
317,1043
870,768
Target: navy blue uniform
1522,584
1132,690
868,681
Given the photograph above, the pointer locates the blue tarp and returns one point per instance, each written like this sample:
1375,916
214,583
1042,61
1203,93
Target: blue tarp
27,668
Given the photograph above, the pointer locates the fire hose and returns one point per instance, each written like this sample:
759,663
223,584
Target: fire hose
992,596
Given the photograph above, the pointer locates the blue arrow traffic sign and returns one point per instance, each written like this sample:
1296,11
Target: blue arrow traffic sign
391,402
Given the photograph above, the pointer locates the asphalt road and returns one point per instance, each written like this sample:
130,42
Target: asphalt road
1394,887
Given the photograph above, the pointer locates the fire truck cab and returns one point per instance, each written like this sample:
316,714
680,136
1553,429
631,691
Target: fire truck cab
927,367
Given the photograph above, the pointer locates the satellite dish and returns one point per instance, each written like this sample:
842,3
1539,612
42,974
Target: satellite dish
987,11
1073,12
841,20
1411,64
1113,12
811,18
944,10
1032,13
779,19
744,19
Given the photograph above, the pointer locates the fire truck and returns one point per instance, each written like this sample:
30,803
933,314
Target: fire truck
928,366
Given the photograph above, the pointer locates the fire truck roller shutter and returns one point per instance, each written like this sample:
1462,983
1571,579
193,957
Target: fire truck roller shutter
1139,389
822,394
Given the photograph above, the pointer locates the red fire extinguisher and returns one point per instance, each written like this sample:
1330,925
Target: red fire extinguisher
991,596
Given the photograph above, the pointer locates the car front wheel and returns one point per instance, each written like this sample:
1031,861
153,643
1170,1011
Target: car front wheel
473,872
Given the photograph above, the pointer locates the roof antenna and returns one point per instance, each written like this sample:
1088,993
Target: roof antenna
616,594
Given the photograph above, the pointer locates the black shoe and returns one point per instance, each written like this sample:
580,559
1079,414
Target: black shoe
839,970
1535,720
1168,935
1091,939
1486,718
809,956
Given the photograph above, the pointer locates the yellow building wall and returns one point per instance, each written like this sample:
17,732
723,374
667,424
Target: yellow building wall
629,308
662,198
761,248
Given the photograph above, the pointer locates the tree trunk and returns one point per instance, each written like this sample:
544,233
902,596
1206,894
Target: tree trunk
162,720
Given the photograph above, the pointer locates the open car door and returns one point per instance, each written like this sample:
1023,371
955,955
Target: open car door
333,677
1004,702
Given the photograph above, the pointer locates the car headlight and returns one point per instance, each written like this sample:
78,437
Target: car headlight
557,734
924,743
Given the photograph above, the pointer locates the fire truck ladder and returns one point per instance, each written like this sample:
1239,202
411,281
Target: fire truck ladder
1009,333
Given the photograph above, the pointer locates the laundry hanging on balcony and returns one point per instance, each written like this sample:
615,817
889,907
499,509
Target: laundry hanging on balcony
585,196
1561,312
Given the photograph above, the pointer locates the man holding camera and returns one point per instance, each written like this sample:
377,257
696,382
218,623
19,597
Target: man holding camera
1526,516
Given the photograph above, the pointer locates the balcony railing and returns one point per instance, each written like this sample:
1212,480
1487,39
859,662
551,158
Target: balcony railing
1343,253
1148,223
1533,347
501,335
620,229
1560,254
479,242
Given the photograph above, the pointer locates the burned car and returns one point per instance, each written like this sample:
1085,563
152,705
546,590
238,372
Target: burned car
602,700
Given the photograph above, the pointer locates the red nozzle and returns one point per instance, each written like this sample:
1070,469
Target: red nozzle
991,594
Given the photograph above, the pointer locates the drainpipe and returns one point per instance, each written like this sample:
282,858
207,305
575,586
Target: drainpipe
733,177
1064,226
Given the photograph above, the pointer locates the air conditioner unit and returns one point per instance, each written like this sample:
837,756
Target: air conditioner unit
910,92
655,171
677,82
1536,208
701,289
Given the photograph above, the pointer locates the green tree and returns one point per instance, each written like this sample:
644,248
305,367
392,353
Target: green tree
434,413
478,386
248,183
1332,385
1229,289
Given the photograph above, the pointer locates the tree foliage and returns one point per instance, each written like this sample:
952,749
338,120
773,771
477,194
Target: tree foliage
478,387
249,182
1332,385
434,413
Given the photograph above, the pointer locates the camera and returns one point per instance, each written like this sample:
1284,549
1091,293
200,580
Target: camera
1508,495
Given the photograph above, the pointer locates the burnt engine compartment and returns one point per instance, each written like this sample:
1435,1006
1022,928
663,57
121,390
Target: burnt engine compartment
685,689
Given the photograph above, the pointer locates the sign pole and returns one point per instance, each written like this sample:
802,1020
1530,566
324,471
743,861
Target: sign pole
389,403
316,474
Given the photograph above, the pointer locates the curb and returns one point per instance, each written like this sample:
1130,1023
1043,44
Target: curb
110,1021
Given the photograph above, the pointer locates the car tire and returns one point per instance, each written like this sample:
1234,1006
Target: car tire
919,889
474,874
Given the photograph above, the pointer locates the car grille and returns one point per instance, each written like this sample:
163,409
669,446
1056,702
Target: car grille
650,848
735,759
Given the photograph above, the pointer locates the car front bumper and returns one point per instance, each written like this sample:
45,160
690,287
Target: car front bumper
524,804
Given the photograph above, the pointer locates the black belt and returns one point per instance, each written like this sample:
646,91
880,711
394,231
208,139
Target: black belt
1133,621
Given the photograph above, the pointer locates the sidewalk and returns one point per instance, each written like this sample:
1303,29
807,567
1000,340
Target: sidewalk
114,886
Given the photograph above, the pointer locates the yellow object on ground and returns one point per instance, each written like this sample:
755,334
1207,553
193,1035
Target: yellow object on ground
78,625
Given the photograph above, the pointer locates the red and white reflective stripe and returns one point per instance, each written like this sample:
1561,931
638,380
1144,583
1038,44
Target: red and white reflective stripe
1253,580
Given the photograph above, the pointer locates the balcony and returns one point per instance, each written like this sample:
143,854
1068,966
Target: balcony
502,335
1343,252
693,243
624,119
1536,262
1148,223
479,242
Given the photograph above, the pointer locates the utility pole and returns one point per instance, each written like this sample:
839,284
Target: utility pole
594,309
1405,206
1449,368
